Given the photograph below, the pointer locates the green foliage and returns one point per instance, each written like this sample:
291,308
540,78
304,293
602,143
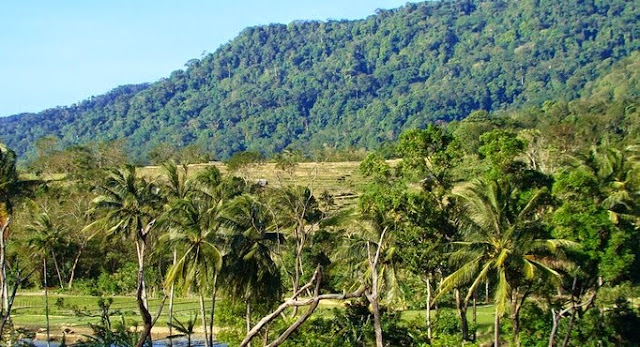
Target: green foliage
184,329
624,320
190,154
250,268
597,210
375,166
428,155
243,160
531,200
105,333
536,325
446,322
500,148
357,84
124,281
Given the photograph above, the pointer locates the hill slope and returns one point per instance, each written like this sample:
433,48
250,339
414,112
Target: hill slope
356,83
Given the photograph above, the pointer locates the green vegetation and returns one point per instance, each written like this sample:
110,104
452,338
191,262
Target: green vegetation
314,85
518,225
501,227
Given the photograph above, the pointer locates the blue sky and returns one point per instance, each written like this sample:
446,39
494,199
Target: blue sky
55,53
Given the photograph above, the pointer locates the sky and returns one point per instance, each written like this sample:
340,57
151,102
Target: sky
56,53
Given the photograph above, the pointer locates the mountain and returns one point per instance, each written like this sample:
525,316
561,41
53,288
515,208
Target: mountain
358,83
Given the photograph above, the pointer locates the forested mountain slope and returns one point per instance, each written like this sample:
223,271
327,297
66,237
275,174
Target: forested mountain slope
356,83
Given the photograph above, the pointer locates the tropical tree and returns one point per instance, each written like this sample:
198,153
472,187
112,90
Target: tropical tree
197,269
370,251
599,209
45,237
195,225
213,192
176,188
48,237
504,238
76,217
297,211
430,215
184,329
12,187
130,206
430,154
617,172
250,267
372,248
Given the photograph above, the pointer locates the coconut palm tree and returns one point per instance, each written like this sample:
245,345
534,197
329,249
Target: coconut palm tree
129,206
297,211
617,171
194,233
45,237
505,239
250,268
176,188
194,219
12,188
213,192
184,329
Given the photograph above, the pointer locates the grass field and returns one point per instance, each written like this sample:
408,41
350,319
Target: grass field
338,178
28,309
29,313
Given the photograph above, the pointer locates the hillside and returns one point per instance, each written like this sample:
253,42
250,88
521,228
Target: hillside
355,83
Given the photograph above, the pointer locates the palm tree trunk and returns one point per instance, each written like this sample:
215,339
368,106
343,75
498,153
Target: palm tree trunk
373,299
46,297
265,336
376,320
515,315
171,293
3,265
73,268
486,291
248,319
429,335
213,309
297,267
373,296
296,277
565,342
554,328
496,328
204,320
141,297
475,317
55,264
462,314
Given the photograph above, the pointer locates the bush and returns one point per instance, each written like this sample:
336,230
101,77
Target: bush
535,325
446,322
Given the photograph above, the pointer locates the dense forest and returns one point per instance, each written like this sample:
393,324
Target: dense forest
516,229
341,84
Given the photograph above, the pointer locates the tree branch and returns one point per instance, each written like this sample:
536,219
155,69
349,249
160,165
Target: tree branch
294,302
301,319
